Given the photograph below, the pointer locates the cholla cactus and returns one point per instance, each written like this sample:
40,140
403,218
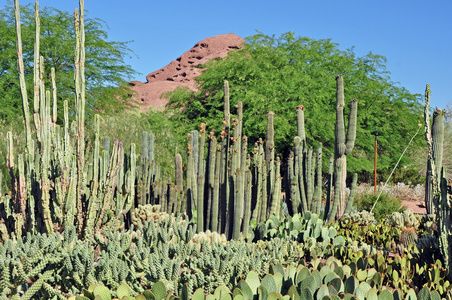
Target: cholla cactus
362,218
402,220
148,213
208,237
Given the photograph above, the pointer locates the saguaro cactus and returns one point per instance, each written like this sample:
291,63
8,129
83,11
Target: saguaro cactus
435,140
444,219
441,199
343,146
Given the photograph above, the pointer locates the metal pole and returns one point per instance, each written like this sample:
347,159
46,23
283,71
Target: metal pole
375,175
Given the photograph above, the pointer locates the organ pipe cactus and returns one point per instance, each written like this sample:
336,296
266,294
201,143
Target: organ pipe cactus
224,173
210,178
179,184
303,185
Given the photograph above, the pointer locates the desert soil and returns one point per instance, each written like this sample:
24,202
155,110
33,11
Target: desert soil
416,206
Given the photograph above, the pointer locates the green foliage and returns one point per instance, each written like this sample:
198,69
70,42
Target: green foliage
128,128
386,204
279,74
105,68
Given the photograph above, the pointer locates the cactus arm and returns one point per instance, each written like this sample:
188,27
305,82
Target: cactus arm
179,181
224,173
23,87
270,140
216,192
438,138
351,129
238,205
431,184
54,97
437,133
300,126
340,126
210,180
200,206
349,207
334,208
247,203
318,188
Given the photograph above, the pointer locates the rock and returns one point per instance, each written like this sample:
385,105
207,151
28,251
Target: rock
183,70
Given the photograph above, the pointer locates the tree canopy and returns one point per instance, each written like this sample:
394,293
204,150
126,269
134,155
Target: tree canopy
106,71
279,74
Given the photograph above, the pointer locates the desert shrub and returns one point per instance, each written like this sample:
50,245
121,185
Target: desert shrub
405,191
386,205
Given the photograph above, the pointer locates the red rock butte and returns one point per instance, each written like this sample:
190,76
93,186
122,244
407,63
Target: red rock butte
182,71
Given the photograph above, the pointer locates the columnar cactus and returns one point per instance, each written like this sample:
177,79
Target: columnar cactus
210,178
435,140
224,172
57,185
179,187
304,186
343,145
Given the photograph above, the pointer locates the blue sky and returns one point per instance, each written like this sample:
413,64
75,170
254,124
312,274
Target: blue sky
415,36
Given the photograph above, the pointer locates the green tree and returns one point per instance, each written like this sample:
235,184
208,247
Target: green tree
279,74
106,71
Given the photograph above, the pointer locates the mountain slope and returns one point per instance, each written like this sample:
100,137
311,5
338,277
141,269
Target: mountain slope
182,71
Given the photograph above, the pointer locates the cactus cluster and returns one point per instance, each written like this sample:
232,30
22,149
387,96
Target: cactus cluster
328,280
62,180
304,171
64,188
164,251
362,218
58,182
147,213
315,237
303,187
209,237
403,219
